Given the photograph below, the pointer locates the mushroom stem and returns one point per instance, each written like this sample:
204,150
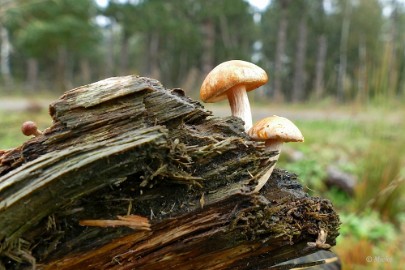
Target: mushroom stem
272,145
275,131
240,106
37,133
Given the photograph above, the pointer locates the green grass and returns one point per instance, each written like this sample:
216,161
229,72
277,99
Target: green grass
373,220
10,126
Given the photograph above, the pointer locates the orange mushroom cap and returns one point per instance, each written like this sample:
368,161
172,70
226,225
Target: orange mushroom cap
276,128
228,75
29,128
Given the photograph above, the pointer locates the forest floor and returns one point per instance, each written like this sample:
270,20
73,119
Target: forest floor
305,112
259,111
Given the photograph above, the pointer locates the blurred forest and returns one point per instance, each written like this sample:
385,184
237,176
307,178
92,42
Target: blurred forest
344,60
347,50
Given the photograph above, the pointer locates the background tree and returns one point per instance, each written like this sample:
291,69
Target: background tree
344,49
298,89
280,49
55,33
320,30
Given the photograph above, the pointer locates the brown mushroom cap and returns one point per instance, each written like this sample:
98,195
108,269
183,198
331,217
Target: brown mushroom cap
276,128
230,74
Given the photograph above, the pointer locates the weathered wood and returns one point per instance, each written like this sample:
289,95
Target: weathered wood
128,146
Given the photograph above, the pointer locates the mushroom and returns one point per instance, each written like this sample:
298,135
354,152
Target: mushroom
275,131
29,128
232,80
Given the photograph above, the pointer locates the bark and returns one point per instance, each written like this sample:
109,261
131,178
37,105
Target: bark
280,51
299,72
161,182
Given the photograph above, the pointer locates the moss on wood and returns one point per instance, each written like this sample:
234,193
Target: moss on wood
128,146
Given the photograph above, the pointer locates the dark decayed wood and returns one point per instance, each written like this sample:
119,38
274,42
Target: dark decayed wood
135,176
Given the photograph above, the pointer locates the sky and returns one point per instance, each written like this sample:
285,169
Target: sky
260,4
101,20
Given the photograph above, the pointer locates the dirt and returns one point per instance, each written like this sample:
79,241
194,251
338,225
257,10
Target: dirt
15,105
301,112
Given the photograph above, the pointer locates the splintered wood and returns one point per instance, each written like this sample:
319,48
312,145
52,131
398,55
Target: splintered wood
135,176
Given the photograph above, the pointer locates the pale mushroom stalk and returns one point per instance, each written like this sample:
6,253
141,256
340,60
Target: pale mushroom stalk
275,131
240,105
272,145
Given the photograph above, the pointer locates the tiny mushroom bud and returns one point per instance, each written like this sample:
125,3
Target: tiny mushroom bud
232,80
29,128
275,131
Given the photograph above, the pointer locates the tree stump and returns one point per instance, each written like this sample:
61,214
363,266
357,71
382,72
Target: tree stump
135,176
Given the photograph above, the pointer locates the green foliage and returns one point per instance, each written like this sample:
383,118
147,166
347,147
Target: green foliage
367,225
57,34
170,36
372,150
42,27
167,39
382,186
339,198
10,123
310,171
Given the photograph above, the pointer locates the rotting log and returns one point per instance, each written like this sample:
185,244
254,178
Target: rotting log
135,176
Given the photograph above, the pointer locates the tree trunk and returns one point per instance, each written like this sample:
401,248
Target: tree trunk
299,71
153,69
85,70
32,73
362,93
5,51
109,54
61,69
135,176
280,51
124,56
393,61
320,67
208,36
343,51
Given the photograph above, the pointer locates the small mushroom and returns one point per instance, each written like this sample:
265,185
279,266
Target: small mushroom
275,131
232,80
29,128
320,241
